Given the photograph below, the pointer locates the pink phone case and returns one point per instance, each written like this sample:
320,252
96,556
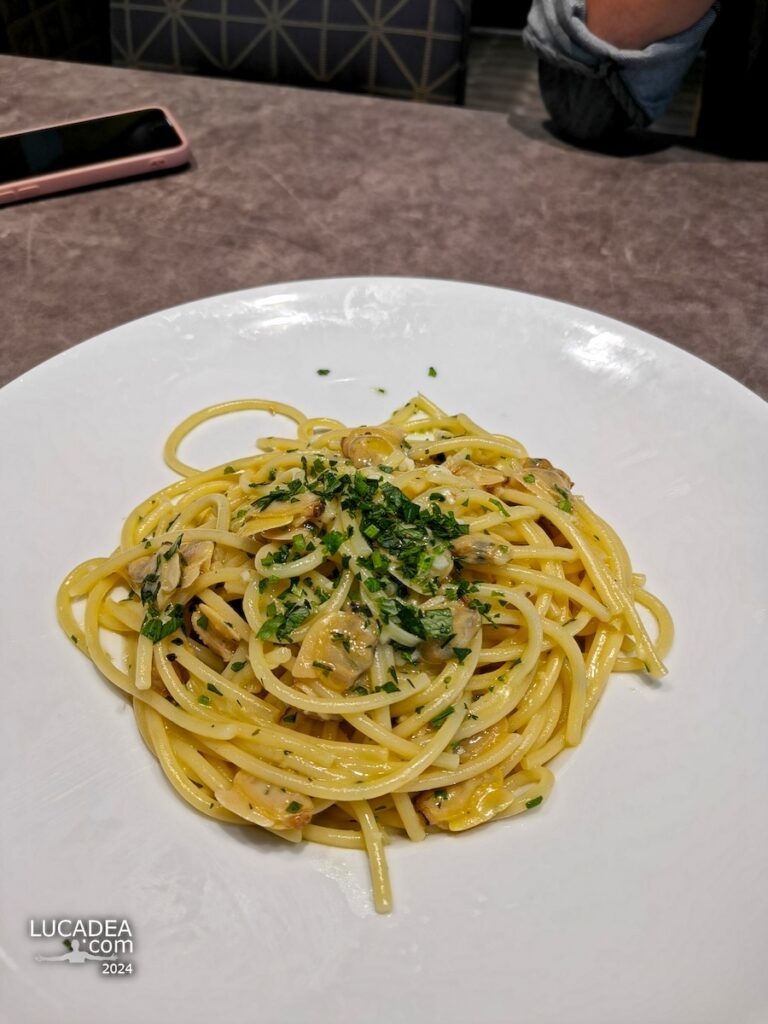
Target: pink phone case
109,170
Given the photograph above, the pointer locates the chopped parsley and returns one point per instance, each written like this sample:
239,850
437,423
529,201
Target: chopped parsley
286,493
483,607
408,654
341,638
158,626
236,666
439,718
332,541
435,624
431,372
214,689
294,806
565,500
280,626
204,699
228,469
150,586
461,653
202,622
323,373
168,555
529,478
534,802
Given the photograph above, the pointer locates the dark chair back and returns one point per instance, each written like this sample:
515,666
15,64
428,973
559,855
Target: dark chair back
58,29
409,49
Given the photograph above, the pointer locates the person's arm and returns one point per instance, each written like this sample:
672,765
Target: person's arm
633,25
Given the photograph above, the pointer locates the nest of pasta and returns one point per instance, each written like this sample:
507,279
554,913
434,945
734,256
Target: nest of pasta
361,632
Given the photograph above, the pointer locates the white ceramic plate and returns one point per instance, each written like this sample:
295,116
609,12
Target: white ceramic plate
635,895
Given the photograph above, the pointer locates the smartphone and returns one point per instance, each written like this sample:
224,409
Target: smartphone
65,156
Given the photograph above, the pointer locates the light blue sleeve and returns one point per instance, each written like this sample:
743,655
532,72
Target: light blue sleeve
557,32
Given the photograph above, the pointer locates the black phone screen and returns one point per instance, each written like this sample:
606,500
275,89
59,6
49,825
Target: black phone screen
69,146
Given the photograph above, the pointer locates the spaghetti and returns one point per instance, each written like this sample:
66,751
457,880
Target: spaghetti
360,632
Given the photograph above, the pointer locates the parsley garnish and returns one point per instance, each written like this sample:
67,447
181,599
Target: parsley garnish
435,624
332,541
408,654
534,802
483,607
431,372
168,555
529,478
565,500
236,666
203,699
279,494
438,720
202,622
341,638
323,373
440,795
214,689
150,586
280,627
157,627
461,653
294,806
228,469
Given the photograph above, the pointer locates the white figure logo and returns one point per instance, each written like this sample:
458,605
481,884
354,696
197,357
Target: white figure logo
75,955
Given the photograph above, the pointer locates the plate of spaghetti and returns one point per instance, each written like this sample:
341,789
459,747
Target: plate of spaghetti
388,647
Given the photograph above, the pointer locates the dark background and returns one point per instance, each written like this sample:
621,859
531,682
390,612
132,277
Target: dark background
734,98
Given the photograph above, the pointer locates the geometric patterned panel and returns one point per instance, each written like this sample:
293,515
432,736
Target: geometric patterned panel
410,49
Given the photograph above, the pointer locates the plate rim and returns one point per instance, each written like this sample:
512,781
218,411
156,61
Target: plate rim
750,399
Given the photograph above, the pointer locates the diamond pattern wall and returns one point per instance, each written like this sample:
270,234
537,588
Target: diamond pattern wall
412,49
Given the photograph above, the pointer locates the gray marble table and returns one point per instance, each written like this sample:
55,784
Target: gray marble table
290,184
